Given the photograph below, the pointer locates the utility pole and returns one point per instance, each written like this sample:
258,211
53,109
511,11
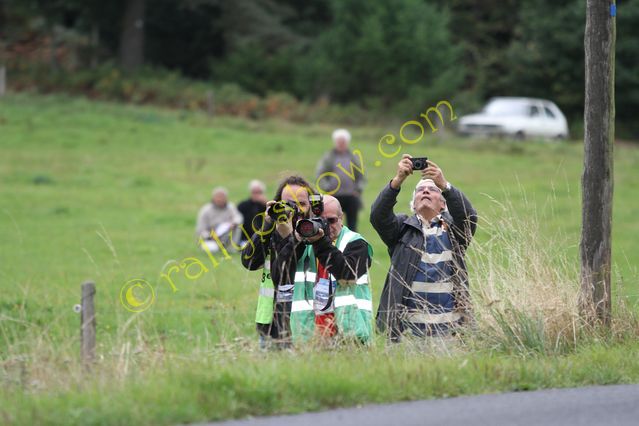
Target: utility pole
597,178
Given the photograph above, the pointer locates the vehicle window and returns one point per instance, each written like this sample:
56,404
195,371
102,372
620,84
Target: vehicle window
505,108
549,112
533,111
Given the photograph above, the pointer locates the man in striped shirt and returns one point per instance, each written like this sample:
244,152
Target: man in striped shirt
426,289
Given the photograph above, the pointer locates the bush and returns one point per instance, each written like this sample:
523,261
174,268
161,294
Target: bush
165,88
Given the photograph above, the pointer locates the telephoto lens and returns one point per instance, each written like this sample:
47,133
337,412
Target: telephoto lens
308,228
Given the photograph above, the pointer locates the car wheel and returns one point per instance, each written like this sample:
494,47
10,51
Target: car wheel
520,135
560,137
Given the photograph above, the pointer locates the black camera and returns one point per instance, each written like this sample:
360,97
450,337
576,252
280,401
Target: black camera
308,228
280,211
419,163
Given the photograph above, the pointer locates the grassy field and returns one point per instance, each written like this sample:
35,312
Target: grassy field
110,192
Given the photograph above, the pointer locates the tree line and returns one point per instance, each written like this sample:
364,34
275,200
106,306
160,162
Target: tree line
383,55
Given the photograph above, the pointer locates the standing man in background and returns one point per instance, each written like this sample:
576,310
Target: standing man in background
349,187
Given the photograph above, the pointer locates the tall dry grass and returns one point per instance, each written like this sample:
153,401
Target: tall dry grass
525,290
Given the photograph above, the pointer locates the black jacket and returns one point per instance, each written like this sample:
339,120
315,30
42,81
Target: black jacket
284,254
250,209
282,257
401,233
349,265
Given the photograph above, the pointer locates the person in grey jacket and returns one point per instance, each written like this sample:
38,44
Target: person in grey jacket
426,289
340,173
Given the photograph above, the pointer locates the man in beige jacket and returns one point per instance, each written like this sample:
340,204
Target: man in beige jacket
220,217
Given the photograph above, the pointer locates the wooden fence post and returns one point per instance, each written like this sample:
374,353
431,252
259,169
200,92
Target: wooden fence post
87,324
3,80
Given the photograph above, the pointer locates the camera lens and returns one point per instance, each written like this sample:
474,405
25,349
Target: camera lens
306,228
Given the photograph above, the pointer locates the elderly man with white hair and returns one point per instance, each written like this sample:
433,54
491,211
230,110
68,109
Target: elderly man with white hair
348,188
216,220
426,289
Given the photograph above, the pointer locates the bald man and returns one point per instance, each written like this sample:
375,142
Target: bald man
426,289
332,297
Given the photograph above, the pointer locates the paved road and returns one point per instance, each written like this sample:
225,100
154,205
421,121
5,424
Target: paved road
597,405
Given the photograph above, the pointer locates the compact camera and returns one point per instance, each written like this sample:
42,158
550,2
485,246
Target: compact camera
419,163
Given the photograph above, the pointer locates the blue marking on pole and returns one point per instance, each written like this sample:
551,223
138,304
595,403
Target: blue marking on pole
613,10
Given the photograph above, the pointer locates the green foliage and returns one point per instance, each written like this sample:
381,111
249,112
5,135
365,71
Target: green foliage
547,57
388,57
627,64
257,70
484,29
398,51
162,87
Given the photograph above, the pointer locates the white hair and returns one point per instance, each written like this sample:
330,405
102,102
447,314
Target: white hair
342,133
219,190
412,200
256,184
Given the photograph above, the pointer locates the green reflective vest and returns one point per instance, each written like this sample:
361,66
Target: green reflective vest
353,302
264,312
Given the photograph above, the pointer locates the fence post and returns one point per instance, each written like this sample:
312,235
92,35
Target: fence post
87,324
3,80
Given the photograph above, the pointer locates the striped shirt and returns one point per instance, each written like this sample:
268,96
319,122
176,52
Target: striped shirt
431,302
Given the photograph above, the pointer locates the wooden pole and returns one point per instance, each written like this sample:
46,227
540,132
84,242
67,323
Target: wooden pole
3,80
87,325
597,178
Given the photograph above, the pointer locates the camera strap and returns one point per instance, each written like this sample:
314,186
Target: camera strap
325,280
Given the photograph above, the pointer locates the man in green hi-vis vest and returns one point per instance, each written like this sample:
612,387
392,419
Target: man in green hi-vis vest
266,251
332,297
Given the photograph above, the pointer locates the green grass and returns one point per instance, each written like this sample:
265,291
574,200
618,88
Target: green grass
218,388
109,193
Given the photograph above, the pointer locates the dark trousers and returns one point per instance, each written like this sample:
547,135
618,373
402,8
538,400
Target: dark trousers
278,333
350,206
